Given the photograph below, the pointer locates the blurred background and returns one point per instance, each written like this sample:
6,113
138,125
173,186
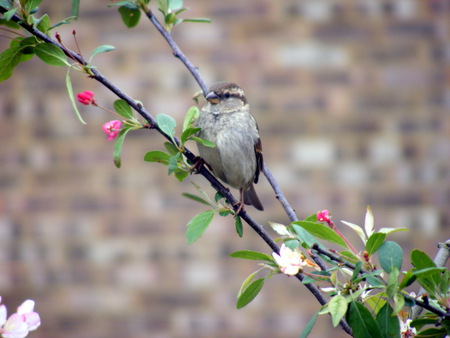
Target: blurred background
352,100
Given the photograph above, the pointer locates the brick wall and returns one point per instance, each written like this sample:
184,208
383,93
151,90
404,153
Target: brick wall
352,100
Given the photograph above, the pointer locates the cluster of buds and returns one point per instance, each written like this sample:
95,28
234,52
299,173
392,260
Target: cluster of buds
111,128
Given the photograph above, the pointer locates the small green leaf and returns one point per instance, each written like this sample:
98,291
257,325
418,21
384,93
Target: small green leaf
9,59
191,115
399,302
217,197
101,49
171,148
51,54
197,226
407,280
180,174
304,236
322,231
187,133
195,198
356,228
175,4
388,322
6,4
280,229
374,242
167,124
204,142
292,244
421,260
199,20
350,256
362,322
390,255
238,226
75,8
123,109
9,14
392,283
368,222
250,293
43,24
32,4
356,271
118,147
157,156
337,307
163,6
308,328
252,255
130,16
71,97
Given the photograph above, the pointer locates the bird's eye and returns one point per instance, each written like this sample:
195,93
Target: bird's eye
227,95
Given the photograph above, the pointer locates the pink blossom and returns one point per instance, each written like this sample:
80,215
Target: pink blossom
289,260
86,97
20,323
112,128
324,216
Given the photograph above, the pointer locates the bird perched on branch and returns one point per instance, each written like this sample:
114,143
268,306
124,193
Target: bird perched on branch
237,158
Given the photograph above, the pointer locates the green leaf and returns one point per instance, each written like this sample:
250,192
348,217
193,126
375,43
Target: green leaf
308,328
250,293
163,6
322,231
390,255
350,256
304,236
407,280
392,283
187,133
157,156
180,174
356,271
204,142
388,322
32,4
101,49
51,54
200,20
252,255
123,109
399,302
191,115
130,16
171,148
9,14
5,4
238,226
195,198
75,8
175,4
197,226
292,244
337,307
374,242
43,24
118,147
428,272
362,322
356,228
421,260
167,124
9,59
71,97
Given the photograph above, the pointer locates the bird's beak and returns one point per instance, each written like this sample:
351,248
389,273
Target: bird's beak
212,98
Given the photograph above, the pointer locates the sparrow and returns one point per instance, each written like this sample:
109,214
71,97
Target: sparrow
237,158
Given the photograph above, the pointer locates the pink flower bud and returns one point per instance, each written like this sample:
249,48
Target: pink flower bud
86,97
112,129
324,216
